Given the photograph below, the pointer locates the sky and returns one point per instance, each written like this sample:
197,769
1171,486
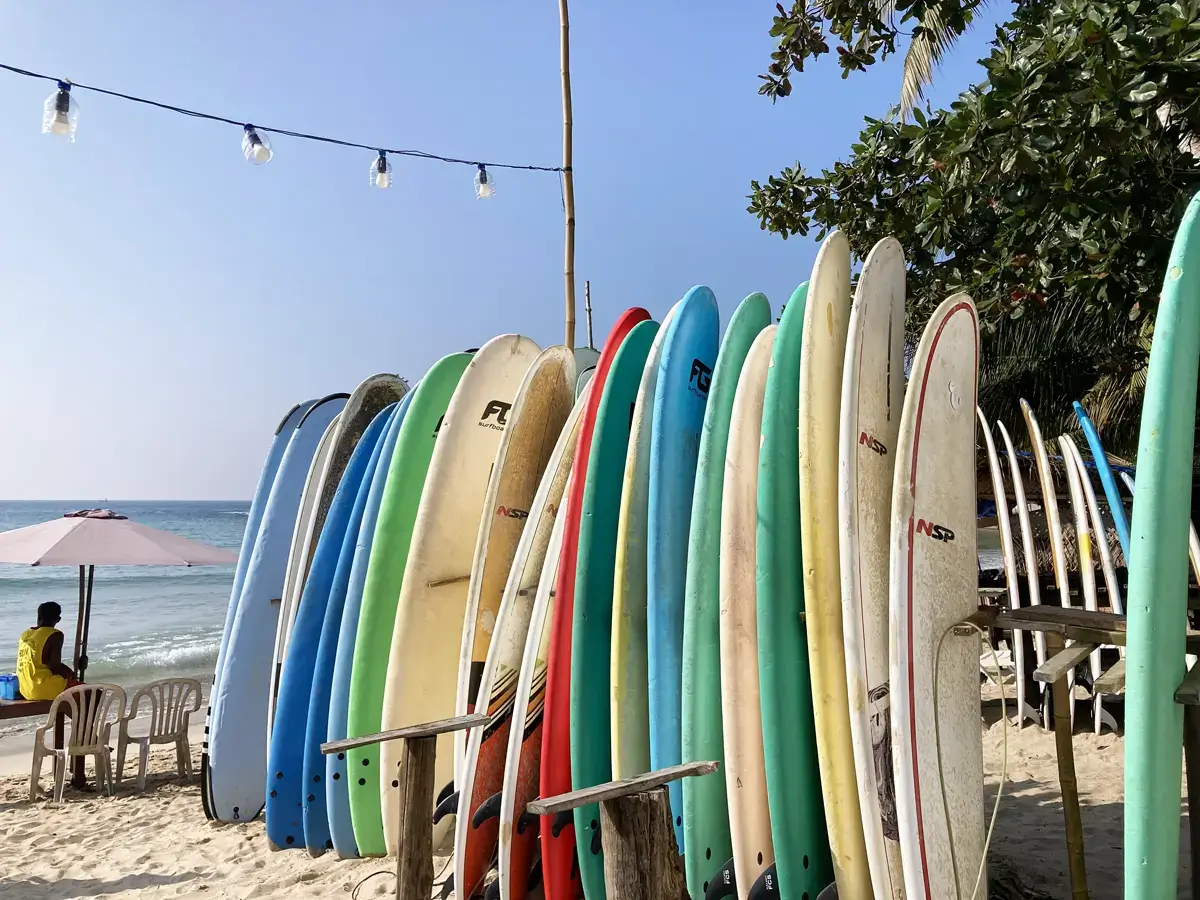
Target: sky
163,303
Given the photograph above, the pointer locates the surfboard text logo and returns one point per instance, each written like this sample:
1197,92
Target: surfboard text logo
512,512
700,379
499,409
438,426
935,531
874,444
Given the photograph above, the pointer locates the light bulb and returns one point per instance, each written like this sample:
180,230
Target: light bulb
255,148
61,115
381,172
484,186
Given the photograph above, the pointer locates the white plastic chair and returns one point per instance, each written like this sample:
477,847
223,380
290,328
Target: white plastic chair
172,702
93,710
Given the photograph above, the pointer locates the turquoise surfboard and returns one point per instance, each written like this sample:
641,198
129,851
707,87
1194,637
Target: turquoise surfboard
1111,493
684,379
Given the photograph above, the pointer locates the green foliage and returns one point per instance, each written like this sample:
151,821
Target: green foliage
1050,192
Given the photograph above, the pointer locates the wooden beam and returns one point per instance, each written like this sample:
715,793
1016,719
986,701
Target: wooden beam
1112,681
611,790
414,865
1061,663
1062,700
457,579
1188,692
1191,754
641,858
428,729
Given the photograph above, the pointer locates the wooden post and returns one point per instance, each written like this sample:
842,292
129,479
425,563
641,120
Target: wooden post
587,312
568,175
1066,758
641,858
1191,754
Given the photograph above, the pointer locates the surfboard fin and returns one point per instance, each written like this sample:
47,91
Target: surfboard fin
575,864
528,820
488,809
766,886
445,792
446,807
447,887
535,875
723,884
561,821
597,845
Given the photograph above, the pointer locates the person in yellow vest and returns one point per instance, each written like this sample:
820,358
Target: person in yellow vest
41,674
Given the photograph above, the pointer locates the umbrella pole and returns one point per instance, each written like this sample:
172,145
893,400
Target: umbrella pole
79,621
87,622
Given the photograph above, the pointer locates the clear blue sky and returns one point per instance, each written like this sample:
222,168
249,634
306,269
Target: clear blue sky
164,302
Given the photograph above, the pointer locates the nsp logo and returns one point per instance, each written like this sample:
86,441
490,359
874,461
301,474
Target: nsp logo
871,442
937,532
512,512
499,409
700,379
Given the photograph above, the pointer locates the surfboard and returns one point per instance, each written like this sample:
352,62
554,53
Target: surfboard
558,840
518,832
591,647
423,658
1107,567
381,590
337,794
1107,481
526,487
586,359
822,357
872,397
237,745
934,567
741,716
266,479
684,378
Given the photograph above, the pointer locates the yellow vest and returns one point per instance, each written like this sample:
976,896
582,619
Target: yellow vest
35,680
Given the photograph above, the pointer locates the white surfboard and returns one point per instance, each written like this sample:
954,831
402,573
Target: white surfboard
421,685
745,765
872,397
934,585
1100,531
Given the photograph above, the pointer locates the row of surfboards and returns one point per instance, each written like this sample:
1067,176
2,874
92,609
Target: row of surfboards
750,548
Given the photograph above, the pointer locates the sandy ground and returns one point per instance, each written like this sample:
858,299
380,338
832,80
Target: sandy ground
158,844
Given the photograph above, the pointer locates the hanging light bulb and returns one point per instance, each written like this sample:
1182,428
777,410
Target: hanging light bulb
381,172
62,113
255,148
485,188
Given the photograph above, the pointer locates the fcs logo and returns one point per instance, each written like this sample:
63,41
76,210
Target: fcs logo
866,440
512,512
499,409
700,379
937,532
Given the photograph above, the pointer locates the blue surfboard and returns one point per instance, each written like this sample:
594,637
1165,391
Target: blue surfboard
689,354
285,787
337,798
1120,521
317,835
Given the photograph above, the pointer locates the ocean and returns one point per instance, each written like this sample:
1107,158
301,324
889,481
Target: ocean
147,622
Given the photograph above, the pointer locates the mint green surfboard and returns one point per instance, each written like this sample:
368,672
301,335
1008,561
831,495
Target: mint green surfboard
381,591
1158,577
802,861
706,841
591,634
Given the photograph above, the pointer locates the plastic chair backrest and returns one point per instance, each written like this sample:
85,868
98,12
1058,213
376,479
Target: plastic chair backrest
171,700
93,709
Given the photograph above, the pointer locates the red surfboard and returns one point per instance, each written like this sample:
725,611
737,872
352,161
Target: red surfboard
559,872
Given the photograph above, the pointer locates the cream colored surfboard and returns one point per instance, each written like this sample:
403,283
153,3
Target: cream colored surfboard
872,396
1100,531
421,684
533,428
628,678
822,356
745,766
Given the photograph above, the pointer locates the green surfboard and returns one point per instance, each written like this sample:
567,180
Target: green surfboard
591,629
1158,577
381,591
798,832
706,840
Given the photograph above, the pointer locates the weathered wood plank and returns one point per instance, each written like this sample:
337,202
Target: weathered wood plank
610,790
1062,700
641,859
1191,755
1112,681
428,729
1061,663
1188,692
414,867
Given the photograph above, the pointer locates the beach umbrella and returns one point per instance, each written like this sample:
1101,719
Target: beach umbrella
100,537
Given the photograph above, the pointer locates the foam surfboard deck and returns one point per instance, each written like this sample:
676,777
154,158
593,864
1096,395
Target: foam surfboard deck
558,849
381,589
745,771
872,397
337,793
237,740
789,736
1111,492
525,491
933,586
423,658
1101,532
591,647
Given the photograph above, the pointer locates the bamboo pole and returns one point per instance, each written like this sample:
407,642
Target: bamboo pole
568,174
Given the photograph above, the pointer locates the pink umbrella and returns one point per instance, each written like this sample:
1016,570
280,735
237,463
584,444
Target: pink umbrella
99,537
